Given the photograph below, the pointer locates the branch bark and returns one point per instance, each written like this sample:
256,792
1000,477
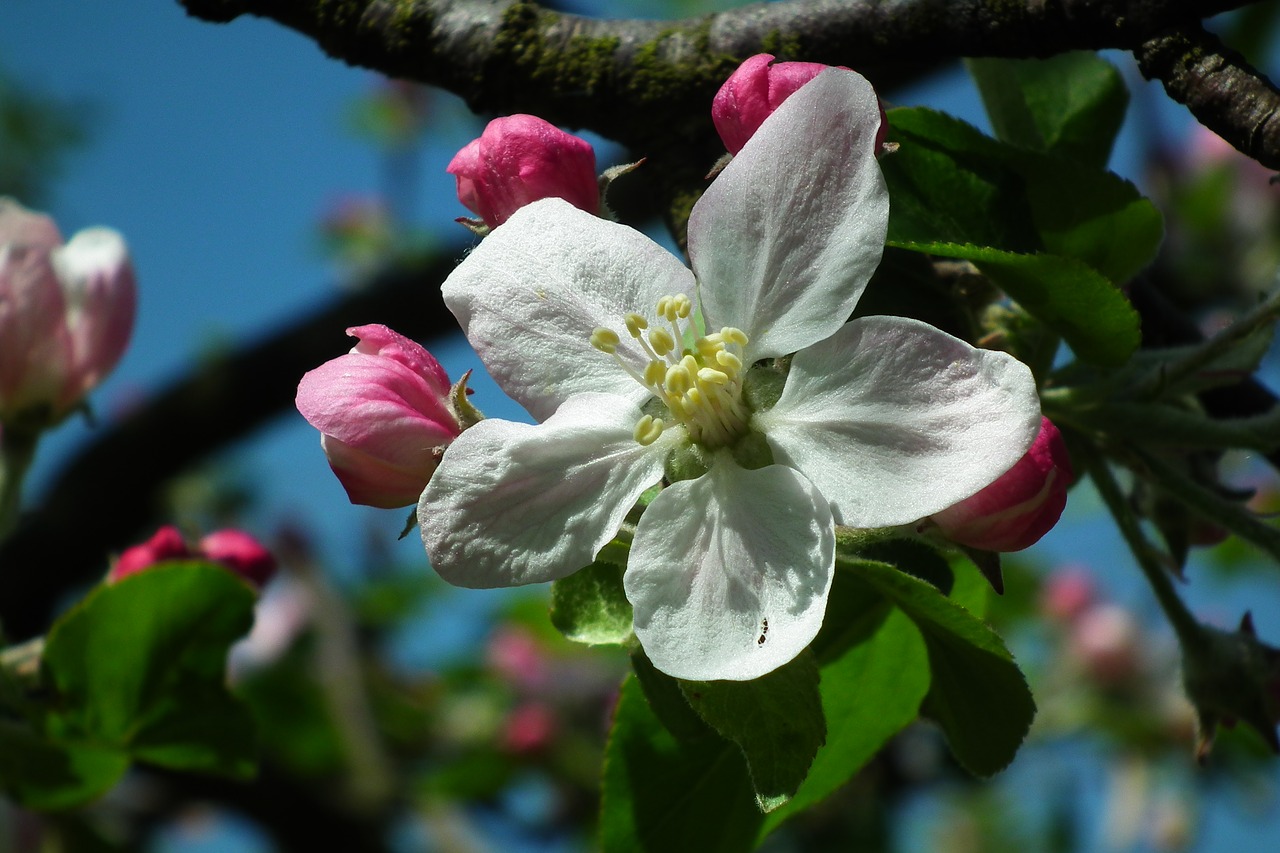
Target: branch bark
1222,90
607,75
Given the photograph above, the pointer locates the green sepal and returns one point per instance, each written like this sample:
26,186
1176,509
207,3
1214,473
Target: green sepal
590,606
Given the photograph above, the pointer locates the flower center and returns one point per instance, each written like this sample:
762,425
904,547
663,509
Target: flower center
701,385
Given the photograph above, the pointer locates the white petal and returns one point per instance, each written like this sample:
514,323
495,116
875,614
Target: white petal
787,237
894,420
529,296
514,503
729,573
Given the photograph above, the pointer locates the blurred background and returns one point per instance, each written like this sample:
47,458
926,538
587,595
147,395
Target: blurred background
258,183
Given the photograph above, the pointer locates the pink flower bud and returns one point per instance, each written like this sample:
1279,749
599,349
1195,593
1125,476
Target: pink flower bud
384,416
529,728
66,313
520,159
1067,593
1107,641
755,90
236,550
241,553
1018,508
166,544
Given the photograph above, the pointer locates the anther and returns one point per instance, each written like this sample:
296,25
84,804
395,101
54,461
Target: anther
711,376
734,336
654,373
648,428
730,362
661,341
605,340
636,324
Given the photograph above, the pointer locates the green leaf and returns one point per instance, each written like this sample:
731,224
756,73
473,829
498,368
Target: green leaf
590,606
1055,235
949,183
45,776
1067,295
871,690
139,666
661,793
776,720
978,695
1072,104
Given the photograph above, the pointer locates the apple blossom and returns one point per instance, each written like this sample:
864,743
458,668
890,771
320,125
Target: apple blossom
643,372
384,414
1021,506
66,312
755,90
236,550
520,159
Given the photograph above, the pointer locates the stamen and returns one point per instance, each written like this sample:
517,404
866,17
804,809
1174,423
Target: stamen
698,379
712,376
729,362
605,340
648,428
661,341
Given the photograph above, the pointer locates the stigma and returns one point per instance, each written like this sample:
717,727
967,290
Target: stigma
697,379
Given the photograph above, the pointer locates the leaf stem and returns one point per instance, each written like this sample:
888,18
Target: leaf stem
1188,628
1201,356
1212,506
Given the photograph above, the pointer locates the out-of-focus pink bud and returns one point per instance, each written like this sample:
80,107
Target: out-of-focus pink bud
1018,508
528,728
515,656
1068,593
166,544
520,159
755,90
1107,641
236,550
66,313
384,416
241,553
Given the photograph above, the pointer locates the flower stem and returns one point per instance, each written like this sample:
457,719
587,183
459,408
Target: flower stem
17,449
1191,634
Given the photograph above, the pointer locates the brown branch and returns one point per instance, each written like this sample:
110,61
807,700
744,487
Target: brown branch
612,75
1222,90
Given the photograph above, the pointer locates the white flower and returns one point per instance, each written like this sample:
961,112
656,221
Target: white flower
592,327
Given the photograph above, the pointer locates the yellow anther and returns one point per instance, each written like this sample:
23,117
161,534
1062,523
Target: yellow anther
654,373
734,336
678,380
664,305
682,305
711,376
648,428
661,341
730,362
605,340
693,399
690,364
707,348
636,324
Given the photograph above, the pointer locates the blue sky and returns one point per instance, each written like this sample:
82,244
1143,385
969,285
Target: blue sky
215,149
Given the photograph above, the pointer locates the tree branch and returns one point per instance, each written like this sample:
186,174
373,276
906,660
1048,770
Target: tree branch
606,75
1222,90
